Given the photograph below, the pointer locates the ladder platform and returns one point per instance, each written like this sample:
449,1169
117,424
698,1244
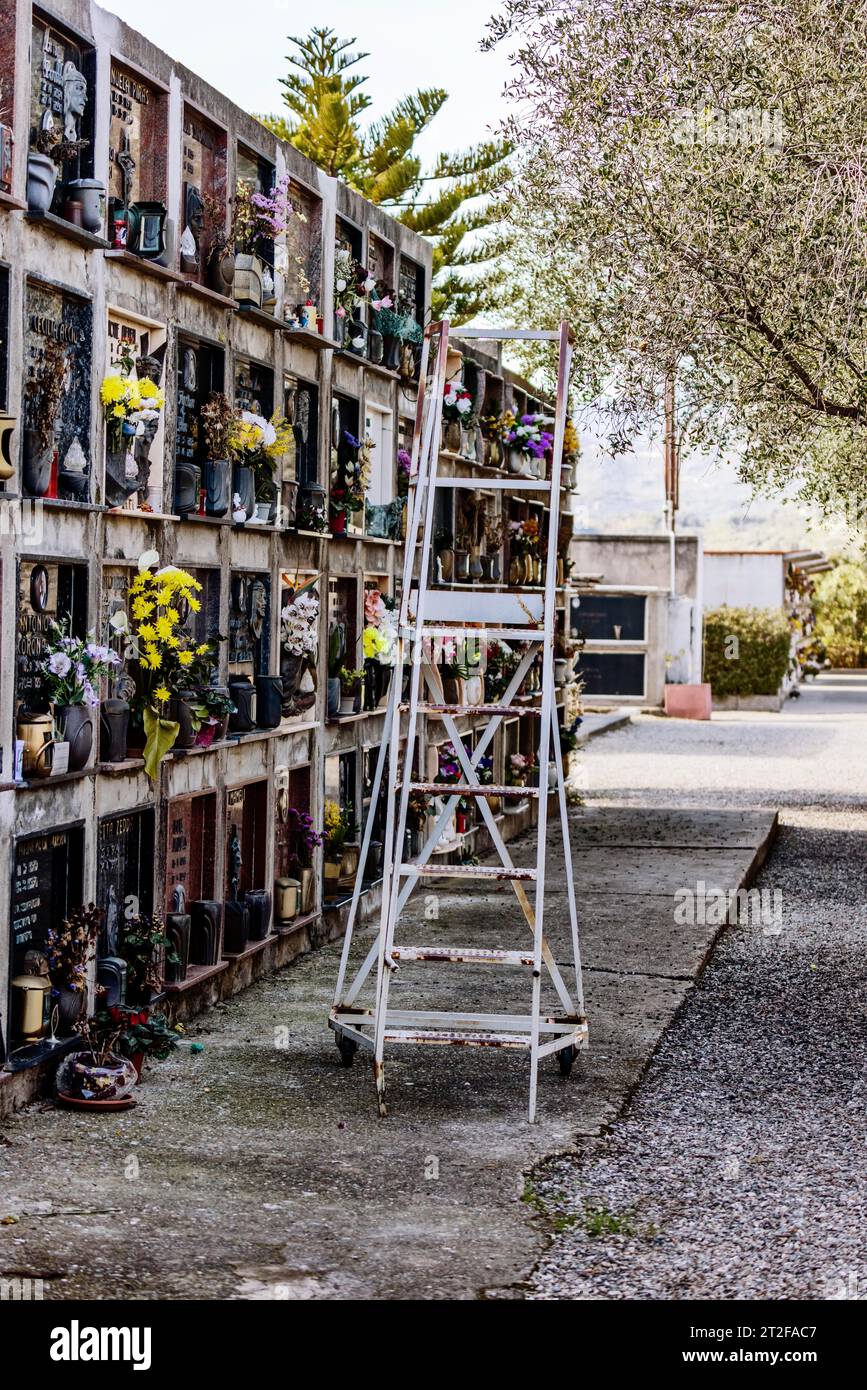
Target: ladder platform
457,1037
462,955
469,629
462,789
514,483
472,709
487,606
486,871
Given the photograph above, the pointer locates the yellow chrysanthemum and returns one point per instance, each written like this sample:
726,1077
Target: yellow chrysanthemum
186,658
164,597
154,660
142,608
147,632
201,649
174,642
162,694
195,605
119,412
164,628
173,616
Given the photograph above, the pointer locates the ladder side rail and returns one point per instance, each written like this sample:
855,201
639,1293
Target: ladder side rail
547,698
427,430
397,682
567,856
394,837
390,716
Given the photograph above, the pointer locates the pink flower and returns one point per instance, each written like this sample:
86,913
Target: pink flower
340,311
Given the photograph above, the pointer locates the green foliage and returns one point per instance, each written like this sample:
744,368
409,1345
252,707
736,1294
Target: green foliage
746,650
690,193
326,105
600,1221
841,613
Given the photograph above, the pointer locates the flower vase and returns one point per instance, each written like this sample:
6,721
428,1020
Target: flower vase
114,723
74,725
475,565
247,281
447,565
452,436
41,181
516,461
461,567
516,570
221,274
495,454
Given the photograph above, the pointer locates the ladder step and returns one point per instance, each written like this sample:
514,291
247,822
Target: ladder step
461,789
457,1037
471,709
469,629
515,483
487,871
460,955
481,606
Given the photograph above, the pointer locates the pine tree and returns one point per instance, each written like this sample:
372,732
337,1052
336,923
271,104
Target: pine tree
453,203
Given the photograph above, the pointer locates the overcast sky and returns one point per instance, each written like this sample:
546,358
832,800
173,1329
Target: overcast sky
240,49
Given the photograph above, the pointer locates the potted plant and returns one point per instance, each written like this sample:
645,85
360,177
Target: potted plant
337,827
379,641
219,261
128,405
71,671
350,684
493,436
457,413
303,843
214,426
350,279
95,1076
257,445
528,442
163,649
43,393
336,654
70,948
138,1034
257,218
386,326
144,946
299,636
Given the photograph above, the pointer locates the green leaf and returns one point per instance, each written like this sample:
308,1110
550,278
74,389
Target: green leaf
160,735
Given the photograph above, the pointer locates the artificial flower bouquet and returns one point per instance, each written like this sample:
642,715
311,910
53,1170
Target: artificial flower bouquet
74,666
127,404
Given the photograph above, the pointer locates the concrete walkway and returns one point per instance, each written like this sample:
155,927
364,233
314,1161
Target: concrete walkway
259,1169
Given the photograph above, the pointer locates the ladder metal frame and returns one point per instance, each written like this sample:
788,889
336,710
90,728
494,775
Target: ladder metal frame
349,1020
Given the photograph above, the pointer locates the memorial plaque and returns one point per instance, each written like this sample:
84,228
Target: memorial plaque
61,96
249,623
124,872
246,837
58,338
254,387
190,847
138,133
46,593
200,371
46,887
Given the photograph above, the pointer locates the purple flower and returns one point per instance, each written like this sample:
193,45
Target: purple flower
351,440
59,663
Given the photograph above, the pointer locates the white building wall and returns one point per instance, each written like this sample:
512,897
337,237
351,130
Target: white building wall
740,579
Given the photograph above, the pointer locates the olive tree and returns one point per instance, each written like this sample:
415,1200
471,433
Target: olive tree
692,194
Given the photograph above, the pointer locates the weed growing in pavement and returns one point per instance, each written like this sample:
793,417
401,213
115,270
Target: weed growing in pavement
600,1221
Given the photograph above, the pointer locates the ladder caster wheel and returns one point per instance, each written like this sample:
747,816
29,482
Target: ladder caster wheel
565,1057
347,1049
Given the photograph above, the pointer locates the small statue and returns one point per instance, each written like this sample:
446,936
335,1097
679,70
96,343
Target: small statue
236,861
74,100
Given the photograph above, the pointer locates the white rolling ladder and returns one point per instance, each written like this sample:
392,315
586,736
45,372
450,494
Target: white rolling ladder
523,618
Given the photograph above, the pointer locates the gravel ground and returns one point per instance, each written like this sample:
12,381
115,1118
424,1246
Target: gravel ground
737,1170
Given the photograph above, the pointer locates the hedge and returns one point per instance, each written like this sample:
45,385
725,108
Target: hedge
757,661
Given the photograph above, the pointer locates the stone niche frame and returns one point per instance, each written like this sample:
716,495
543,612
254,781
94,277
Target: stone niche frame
62,98
138,138
58,324
208,374
246,806
124,870
204,177
248,655
302,275
48,589
190,835
47,884
145,338
301,409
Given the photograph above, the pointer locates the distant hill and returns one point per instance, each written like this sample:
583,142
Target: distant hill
628,494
